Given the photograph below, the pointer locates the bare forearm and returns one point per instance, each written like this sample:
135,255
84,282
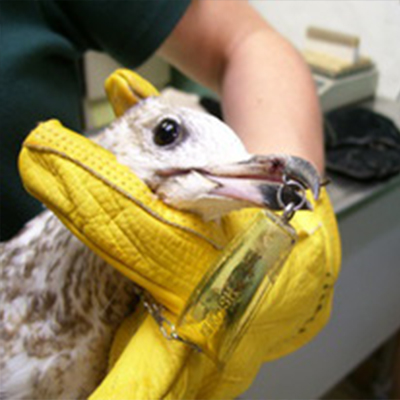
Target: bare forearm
270,99
267,92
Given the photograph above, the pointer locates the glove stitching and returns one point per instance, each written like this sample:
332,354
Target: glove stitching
124,193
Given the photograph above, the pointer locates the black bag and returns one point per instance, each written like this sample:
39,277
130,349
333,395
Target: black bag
361,144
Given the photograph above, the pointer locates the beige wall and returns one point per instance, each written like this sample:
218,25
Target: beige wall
376,22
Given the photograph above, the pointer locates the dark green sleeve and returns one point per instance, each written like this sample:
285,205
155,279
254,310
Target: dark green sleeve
42,43
130,31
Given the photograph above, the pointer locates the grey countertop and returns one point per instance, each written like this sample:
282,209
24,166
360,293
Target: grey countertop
347,194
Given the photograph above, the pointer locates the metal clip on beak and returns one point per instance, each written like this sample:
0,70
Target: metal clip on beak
289,209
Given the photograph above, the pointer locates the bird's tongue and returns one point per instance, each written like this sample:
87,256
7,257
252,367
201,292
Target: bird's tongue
256,192
238,189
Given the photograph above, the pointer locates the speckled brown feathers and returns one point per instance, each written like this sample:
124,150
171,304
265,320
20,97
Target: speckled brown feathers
60,305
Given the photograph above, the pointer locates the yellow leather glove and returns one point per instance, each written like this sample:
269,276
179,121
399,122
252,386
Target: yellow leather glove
167,252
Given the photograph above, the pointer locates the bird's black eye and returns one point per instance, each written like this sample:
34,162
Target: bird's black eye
167,132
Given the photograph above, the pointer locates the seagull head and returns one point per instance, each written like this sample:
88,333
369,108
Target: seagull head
193,161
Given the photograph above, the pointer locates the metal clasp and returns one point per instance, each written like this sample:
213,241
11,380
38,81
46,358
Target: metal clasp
167,328
290,209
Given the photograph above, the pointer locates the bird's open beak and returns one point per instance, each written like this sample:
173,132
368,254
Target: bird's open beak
272,181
